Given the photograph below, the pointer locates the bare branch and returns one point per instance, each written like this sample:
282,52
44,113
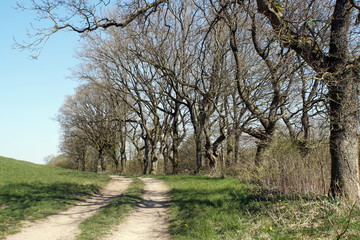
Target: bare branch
76,16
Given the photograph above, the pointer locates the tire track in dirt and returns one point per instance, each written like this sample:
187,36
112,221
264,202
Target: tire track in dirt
149,220
64,226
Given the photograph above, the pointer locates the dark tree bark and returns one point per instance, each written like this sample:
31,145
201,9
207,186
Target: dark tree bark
146,158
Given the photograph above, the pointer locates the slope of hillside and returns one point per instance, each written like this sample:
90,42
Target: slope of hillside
215,208
29,191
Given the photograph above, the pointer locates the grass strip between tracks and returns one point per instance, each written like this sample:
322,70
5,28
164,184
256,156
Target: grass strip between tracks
112,214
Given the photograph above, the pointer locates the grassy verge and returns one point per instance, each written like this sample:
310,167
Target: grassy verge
30,191
209,208
111,215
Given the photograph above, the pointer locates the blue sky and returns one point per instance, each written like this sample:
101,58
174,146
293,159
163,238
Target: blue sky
32,91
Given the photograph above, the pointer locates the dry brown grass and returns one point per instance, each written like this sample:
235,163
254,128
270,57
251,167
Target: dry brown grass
285,169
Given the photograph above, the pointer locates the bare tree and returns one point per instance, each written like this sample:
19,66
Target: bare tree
308,103
323,33
79,16
88,111
264,87
74,145
329,52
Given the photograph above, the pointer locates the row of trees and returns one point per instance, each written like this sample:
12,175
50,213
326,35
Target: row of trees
170,80
220,68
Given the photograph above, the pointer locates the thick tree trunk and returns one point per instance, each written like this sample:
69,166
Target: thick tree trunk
153,161
146,155
101,160
123,161
265,142
212,149
237,145
96,163
344,138
83,160
212,156
261,148
342,86
175,158
123,148
139,158
114,155
175,147
116,162
230,156
166,157
175,140
199,154
153,166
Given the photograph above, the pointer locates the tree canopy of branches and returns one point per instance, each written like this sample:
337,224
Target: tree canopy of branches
175,63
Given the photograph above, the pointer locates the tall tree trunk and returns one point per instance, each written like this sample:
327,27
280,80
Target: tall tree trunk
261,148
175,157
123,161
77,163
237,145
83,159
153,161
344,137
123,147
343,97
212,158
139,158
96,163
199,148
212,149
101,160
342,78
264,144
114,155
116,162
265,139
146,158
166,156
230,156
175,140
153,166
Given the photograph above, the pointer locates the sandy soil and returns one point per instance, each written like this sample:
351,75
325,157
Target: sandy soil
149,220
65,225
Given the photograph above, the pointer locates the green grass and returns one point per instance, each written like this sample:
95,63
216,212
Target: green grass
30,191
110,215
200,207
211,208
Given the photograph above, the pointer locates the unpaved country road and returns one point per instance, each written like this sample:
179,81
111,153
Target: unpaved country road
64,226
149,220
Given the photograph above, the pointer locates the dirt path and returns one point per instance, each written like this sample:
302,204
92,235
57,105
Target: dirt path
65,225
149,220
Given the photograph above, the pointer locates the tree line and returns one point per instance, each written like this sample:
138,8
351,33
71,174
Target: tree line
156,73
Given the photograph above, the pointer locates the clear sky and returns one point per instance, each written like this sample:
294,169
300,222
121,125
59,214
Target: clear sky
32,91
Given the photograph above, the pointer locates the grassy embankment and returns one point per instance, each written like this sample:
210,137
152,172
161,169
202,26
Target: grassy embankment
29,191
215,208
